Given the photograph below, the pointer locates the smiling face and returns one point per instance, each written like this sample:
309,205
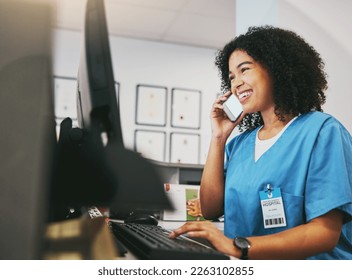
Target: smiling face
251,83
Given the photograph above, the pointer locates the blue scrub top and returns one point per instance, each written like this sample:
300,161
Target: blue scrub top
311,163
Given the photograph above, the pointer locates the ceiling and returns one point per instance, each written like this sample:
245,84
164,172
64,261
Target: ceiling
204,23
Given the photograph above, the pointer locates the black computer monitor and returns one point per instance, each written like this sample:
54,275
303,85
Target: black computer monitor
112,174
84,176
97,108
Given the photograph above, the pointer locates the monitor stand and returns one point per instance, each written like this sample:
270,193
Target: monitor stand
83,177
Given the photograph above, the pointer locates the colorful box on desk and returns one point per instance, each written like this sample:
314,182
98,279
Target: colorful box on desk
185,199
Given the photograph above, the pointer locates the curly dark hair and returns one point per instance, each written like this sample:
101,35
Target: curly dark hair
296,69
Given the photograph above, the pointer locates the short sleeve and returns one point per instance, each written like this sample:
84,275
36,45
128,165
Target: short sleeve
329,178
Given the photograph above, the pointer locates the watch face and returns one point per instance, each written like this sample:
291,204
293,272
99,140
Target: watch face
242,242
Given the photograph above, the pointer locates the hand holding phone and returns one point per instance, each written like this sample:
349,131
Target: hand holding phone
232,108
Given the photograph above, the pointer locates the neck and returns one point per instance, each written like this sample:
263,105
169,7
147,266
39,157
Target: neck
272,125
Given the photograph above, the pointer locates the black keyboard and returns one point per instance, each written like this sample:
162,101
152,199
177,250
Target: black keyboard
152,242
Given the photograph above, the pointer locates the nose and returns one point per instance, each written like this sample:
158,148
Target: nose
236,83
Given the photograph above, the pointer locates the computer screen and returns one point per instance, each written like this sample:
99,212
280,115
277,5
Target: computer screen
28,136
98,108
84,177
128,181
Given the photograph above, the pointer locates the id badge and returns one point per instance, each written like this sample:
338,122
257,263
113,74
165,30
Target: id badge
272,208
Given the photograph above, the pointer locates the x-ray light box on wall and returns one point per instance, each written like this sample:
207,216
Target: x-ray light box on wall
65,97
184,148
185,108
151,104
150,144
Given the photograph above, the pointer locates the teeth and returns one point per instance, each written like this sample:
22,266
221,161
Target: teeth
244,94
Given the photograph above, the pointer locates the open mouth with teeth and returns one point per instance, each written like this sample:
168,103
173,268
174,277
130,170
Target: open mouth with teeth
244,94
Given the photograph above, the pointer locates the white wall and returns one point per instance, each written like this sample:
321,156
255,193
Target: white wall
147,62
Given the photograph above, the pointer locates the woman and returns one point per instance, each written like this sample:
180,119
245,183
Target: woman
284,185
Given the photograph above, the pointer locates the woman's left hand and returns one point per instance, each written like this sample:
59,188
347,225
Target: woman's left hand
206,230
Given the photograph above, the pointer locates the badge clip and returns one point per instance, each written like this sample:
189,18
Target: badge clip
269,191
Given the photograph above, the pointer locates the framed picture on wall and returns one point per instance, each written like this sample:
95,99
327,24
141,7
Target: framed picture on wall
65,90
184,148
151,102
150,144
185,108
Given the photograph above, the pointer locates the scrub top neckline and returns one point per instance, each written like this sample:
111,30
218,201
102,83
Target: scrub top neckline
268,143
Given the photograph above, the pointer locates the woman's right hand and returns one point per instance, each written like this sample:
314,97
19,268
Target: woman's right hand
222,126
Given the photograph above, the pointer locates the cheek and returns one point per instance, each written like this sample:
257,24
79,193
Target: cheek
265,97
265,86
233,89
268,91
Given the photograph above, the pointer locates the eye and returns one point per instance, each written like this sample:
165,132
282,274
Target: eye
231,78
244,69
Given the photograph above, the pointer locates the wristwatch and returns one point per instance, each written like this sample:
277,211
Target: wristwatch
243,244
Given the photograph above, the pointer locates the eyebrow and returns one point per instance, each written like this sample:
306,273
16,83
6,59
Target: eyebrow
239,65
244,62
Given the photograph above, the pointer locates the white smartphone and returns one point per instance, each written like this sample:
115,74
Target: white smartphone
233,108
